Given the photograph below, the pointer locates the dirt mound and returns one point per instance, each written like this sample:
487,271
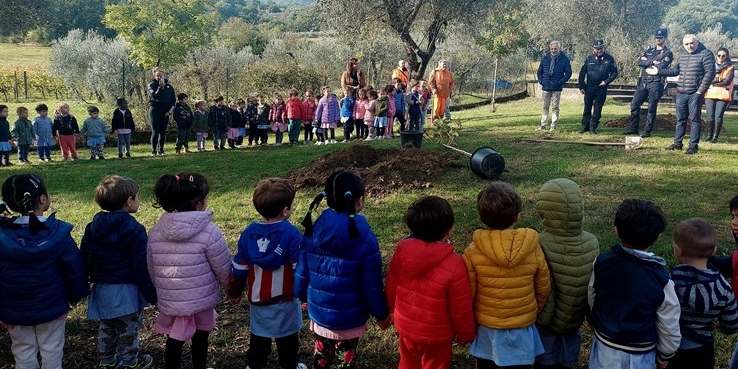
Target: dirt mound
384,170
663,122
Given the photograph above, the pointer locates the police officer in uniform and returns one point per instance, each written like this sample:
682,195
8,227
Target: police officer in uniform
650,87
598,71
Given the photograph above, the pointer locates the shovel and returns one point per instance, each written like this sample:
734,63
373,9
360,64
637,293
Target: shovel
631,143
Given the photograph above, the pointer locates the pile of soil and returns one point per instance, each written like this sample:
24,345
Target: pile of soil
384,170
663,122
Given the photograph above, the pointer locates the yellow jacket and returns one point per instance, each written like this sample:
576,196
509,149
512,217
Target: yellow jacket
508,275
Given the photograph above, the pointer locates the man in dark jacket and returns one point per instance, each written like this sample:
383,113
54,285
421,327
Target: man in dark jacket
598,71
650,88
553,71
696,69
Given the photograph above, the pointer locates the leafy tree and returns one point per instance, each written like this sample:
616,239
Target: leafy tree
694,17
419,24
161,32
236,34
63,16
504,33
21,16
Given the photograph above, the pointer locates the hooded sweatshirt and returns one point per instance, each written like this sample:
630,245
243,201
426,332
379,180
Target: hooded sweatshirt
188,260
40,273
570,253
267,255
508,276
341,277
114,252
428,293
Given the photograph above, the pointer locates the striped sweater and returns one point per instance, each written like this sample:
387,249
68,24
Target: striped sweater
704,296
264,263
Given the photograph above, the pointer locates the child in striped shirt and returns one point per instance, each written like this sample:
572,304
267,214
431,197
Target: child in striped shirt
704,295
264,265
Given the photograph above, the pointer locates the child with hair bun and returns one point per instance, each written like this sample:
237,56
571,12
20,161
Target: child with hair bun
188,261
340,252
41,273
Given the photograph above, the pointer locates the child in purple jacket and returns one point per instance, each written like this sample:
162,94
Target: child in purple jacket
328,113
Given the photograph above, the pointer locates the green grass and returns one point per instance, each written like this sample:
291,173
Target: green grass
24,57
684,186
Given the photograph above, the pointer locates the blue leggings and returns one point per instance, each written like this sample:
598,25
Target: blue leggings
44,152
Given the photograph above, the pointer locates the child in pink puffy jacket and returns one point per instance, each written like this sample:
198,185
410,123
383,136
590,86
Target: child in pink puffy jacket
189,262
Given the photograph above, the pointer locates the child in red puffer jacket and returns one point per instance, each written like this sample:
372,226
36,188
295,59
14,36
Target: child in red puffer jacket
428,288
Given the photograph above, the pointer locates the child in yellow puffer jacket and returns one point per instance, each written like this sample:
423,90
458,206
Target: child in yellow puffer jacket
509,281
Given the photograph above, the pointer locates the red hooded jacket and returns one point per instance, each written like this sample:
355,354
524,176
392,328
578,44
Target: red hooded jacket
428,293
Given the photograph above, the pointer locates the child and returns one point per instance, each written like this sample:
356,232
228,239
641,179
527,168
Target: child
728,264
278,118
236,125
95,129
264,265
188,260
219,121
428,288
359,111
341,255
704,295
23,134
308,113
327,113
262,119
347,113
252,117
391,111
200,123
319,133
509,282
42,273
427,96
244,127
634,308
114,252
42,125
65,125
294,116
381,109
415,106
184,119
400,103
5,136
123,126
369,115
570,253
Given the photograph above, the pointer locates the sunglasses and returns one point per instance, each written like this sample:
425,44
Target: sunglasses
721,55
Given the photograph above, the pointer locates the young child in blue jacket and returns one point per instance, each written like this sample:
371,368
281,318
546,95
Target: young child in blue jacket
41,273
114,252
340,253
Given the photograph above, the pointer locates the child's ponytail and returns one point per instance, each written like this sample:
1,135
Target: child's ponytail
350,205
180,192
307,222
21,193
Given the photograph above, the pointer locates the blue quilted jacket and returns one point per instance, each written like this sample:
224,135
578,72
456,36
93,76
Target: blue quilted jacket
340,277
40,274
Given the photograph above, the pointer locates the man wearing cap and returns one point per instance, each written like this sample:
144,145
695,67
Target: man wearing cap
553,71
650,87
696,69
598,71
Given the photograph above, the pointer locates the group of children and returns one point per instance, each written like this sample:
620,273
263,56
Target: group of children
517,296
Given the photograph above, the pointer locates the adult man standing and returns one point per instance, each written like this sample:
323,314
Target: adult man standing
650,87
441,83
696,69
401,73
598,71
553,71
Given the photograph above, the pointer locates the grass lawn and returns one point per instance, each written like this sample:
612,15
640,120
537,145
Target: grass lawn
684,186
24,57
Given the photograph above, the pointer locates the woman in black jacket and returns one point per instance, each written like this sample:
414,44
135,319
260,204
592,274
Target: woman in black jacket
161,102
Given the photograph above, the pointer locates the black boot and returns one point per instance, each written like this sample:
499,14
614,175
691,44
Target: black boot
718,128
711,130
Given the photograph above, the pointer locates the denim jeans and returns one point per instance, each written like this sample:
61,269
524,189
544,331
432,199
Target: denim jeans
688,106
715,110
124,143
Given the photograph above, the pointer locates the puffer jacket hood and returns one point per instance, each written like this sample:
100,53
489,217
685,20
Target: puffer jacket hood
179,227
422,257
268,255
332,233
561,207
570,253
507,248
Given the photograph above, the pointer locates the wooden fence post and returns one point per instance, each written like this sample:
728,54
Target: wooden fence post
25,84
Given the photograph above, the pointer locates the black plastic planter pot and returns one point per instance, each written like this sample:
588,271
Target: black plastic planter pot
412,137
487,163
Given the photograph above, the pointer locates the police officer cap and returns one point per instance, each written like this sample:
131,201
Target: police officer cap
598,44
661,32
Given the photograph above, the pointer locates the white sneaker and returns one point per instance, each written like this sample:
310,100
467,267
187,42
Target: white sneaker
553,128
344,141
369,139
301,366
319,143
333,141
541,128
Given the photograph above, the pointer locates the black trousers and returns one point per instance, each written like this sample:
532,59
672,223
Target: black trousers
594,99
648,91
159,122
348,129
261,347
253,133
702,357
173,351
400,117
